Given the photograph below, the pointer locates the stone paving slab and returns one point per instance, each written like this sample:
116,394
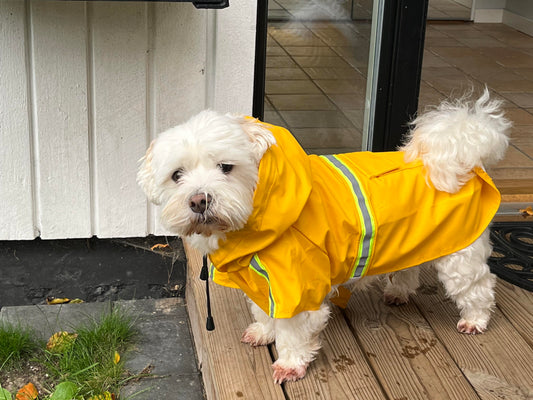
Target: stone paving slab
164,343
45,320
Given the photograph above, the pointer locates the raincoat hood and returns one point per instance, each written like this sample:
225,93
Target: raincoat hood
283,189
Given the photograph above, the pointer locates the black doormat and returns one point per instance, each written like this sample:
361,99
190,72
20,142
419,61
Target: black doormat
512,256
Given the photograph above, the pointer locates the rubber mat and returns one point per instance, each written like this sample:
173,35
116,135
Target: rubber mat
512,255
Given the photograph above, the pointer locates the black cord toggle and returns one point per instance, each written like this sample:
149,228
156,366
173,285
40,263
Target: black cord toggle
204,275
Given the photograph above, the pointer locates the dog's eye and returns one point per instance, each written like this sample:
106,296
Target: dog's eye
226,168
177,175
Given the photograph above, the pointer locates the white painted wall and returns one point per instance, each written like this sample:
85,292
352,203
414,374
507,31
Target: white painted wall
515,13
85,86
519,15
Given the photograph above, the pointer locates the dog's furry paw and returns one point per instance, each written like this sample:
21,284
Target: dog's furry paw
284,373
470,328
257,335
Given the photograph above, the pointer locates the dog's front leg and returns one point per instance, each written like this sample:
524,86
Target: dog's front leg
297,342
261,332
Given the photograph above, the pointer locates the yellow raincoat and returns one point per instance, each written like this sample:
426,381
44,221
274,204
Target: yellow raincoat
318,221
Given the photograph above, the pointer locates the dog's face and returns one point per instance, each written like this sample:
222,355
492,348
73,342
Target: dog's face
204,173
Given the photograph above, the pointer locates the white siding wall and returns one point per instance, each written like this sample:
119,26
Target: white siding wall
85,86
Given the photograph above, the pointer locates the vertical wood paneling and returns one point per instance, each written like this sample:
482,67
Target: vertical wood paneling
179,41
179,58
16,216
87,86
119,43
234,57
60,123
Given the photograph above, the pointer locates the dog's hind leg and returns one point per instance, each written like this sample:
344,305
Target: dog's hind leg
297,343
400,285
261,332
469,282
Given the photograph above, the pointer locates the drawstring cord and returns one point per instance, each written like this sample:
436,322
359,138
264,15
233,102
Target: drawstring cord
204,275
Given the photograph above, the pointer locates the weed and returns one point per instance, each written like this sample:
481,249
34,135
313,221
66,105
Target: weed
91,361
16,343
87,360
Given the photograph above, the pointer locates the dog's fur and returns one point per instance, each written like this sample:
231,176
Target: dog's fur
188,164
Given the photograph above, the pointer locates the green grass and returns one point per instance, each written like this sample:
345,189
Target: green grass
88,361
16,344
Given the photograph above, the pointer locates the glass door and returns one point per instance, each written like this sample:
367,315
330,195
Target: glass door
334,69
317,71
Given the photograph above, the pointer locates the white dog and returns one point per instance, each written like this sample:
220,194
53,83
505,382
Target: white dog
290,229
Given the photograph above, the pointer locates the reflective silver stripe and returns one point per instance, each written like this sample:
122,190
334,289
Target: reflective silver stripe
363,208
258,267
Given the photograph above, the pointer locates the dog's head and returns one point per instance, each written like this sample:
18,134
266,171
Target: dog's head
204,172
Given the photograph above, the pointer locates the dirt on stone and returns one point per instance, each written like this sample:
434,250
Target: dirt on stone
30,371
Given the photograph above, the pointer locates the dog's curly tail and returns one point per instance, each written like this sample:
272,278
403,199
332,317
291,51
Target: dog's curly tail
456,137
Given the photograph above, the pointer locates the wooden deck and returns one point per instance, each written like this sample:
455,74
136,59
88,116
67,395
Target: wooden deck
373,351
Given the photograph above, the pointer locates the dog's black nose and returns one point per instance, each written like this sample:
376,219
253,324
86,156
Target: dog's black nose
200,202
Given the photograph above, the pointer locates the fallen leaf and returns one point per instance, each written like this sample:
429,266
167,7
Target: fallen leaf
103,396
116,358
59,342
57,300
159,246
76,301
527,212
27,392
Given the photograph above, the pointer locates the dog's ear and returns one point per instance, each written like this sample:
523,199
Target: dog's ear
146,177
260,136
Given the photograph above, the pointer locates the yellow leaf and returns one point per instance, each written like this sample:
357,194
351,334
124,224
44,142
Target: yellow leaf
56,300
116,359
59,342
104,396
76,301
27,392
159,246
527,212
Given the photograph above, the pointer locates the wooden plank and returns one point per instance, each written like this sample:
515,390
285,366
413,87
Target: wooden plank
517,305
229,368
119,44
16,222
340,371
515,189
497,363
59,48
404,352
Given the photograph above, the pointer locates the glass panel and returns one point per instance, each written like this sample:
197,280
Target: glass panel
450,10
316,71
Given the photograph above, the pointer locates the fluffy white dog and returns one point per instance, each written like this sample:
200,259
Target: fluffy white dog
289,229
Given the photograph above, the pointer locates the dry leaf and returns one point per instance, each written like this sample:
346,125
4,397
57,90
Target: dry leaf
104,396
56,300
59,342
159,246
27,392
527,212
